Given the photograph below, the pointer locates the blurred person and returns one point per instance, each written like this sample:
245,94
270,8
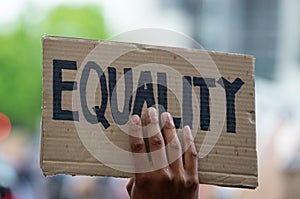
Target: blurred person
7,178
14,152
5,193
177,180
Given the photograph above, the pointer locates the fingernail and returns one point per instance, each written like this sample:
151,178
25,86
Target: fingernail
152,114
187,128
135,119
167,120
135,124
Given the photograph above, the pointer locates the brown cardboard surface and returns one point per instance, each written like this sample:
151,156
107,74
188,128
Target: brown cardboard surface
232,160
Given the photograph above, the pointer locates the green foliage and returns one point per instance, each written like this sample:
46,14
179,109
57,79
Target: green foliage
76,22
21,57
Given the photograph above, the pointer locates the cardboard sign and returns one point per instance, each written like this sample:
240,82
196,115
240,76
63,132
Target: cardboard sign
91,88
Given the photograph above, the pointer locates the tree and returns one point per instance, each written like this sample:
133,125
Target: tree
21,57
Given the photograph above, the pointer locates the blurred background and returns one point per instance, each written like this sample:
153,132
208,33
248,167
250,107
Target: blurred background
267,29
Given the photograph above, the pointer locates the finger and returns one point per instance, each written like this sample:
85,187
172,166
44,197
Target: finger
156,141
137,144
190,154
136,135
129,186
174,151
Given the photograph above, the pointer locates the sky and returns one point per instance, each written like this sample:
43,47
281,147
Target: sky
10,10
125,15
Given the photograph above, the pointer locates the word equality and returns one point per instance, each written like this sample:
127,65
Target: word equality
144,94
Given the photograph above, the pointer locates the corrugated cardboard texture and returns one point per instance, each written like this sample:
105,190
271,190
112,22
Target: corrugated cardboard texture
232,160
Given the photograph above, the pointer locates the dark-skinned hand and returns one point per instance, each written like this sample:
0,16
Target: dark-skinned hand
167,174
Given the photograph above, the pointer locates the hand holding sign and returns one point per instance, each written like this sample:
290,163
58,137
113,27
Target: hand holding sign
180,178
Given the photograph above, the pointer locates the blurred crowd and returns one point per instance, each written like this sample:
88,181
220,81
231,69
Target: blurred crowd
21,177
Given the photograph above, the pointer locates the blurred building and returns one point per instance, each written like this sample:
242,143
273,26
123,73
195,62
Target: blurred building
266,29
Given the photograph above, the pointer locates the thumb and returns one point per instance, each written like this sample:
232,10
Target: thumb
129,186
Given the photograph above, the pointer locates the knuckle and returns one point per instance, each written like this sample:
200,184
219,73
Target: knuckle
156,141
162,178
137,146
194,154
192,182
166,178
180,180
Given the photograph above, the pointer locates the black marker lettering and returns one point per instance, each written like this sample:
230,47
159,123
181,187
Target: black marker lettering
162,92
187,106
144,93
231,89
99,117
177,122
120,117
59,86
204,84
